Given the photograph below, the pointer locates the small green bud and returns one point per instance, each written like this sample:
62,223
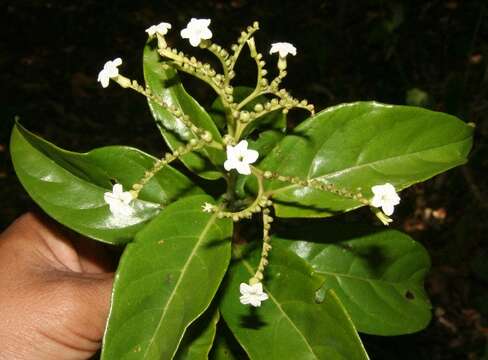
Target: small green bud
207,137
244,116
268,174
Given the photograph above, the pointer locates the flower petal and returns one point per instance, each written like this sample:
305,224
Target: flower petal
255,302
241,147
117,62
250,156
243,168
229,164
117,189
388,208
245,288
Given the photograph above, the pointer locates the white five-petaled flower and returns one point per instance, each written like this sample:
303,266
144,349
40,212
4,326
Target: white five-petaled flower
161,29
385,197
239,157
283,48
196,31
119,201
109,71
207,207
252,294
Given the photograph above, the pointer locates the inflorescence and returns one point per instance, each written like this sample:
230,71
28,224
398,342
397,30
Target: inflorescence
239,157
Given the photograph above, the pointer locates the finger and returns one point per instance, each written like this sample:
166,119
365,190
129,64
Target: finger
96,292
94,256
60,247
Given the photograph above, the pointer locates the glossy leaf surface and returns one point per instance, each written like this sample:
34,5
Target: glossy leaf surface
377,274
70,186
199,337
225,346
166,279
359,145
165,84
292,323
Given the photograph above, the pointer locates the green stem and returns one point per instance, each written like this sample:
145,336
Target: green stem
259,202
165,160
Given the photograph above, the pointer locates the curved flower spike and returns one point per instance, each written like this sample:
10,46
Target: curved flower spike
385,197
161,29
196,31
110,70
119,201
252,294
239,157
283,48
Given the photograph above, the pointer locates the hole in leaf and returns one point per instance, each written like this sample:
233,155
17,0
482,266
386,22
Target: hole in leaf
320,295
409,295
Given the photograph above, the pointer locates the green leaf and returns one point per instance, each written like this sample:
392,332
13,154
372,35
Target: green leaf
266,142
199,337
292,323
225,346
360,145
165,83
378,275
70,186
166,279
221,351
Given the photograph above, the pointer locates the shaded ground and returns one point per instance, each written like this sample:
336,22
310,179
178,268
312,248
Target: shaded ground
51,53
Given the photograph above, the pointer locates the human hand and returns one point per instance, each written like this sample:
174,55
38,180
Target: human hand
54,292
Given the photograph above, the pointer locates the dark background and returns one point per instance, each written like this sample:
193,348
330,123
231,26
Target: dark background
428,53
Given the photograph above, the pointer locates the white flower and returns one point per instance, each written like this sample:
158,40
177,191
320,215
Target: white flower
283,48
385,197
252,294
119,201
239,157
196,31
109,71
207,207
161,29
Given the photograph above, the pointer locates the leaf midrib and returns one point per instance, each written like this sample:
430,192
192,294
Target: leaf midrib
183,271
355,167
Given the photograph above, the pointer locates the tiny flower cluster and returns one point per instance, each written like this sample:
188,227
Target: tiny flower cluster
283,49
252,294
161,29
119,201
239,156
385,197
196,31
110,71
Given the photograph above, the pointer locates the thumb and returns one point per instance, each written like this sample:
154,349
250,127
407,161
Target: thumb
93,304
